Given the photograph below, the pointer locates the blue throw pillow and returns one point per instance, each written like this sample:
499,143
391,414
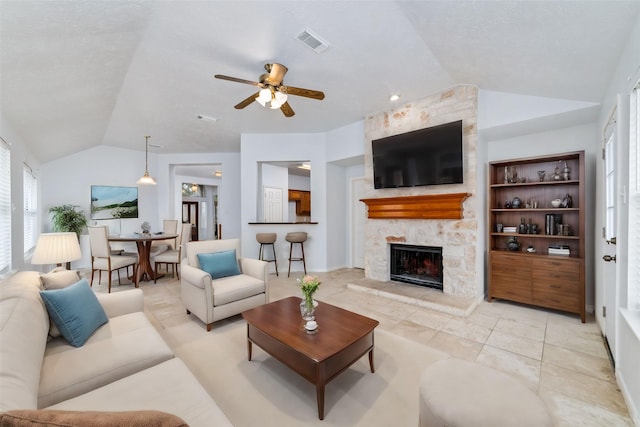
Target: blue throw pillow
75,310
219,264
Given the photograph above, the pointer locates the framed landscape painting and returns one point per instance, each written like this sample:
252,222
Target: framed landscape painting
111,202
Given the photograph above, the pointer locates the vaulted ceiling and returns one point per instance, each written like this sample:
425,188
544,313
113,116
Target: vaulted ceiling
76,74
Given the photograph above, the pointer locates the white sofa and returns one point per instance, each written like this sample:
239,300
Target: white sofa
124,366
215,299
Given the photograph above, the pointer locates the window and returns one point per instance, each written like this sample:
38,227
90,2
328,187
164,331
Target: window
633,291
5,208
30,197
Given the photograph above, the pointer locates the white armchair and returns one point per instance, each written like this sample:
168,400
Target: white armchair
215,299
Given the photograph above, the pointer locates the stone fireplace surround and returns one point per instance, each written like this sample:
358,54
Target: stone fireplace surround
462,274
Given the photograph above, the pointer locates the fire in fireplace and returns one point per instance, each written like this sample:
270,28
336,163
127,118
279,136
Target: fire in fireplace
418,265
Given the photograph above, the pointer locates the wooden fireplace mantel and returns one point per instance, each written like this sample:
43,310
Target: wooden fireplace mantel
430,206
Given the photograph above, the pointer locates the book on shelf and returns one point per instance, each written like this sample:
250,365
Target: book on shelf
559,250
557,246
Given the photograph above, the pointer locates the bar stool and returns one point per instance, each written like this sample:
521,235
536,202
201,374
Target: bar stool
266,239
296,237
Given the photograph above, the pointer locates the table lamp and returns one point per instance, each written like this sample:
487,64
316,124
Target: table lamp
56,248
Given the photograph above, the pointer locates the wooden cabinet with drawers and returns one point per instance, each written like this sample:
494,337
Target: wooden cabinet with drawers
531,274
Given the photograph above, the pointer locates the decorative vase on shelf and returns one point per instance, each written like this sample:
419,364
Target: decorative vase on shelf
566,172
513,244
516,203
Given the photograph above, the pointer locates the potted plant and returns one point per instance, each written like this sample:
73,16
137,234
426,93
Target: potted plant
65,218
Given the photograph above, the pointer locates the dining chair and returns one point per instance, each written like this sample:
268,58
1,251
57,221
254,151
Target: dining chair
174,257
170,226
102,258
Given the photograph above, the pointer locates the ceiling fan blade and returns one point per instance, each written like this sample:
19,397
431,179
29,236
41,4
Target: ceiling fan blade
276,73
246,102
307,93
287,110
237,80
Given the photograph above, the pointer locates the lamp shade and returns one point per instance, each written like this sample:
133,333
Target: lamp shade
146,179
279,98
56,248
264,96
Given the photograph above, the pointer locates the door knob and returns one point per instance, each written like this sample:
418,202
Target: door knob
609,258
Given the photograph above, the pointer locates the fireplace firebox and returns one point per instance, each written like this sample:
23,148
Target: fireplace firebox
418,265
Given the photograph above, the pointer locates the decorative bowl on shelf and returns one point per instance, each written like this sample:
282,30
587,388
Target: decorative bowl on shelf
556,203
513,244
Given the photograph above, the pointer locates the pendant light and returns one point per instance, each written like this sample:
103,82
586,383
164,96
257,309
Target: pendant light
146,179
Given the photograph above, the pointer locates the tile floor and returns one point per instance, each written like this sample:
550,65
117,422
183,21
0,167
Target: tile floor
554,354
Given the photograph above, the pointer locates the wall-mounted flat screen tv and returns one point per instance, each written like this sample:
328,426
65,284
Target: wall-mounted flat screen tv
110,202
428,156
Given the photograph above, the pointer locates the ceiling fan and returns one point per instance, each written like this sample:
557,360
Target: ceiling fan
272,92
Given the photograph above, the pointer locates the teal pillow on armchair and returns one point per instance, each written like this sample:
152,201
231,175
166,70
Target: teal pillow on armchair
220,264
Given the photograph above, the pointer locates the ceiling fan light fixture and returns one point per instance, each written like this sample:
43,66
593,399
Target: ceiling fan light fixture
264,96
272,92
278,99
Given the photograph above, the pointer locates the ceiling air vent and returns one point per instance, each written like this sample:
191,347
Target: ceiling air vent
312,40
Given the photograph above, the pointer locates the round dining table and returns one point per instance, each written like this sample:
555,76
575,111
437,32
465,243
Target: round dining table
145,270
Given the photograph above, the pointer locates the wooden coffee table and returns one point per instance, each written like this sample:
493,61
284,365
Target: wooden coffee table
341,339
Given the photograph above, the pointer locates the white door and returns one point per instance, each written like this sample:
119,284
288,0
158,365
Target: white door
272,204
609,279
358,218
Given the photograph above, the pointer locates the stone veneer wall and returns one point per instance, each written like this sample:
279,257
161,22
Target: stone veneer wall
458,238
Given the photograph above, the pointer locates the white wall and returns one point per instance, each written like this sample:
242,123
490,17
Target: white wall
298,182
509,108
20,154
627,351
337,187
346,142
576,138
68,181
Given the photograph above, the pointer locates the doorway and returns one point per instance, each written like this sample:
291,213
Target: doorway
609,273
272,204
358,218
190,216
